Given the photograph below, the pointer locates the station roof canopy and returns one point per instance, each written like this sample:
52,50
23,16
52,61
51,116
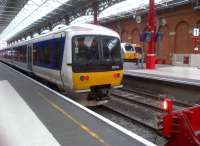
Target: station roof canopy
37,14
45,12
8,10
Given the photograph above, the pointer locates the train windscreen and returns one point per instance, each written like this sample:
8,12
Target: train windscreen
138,49
111,49
95,53
86,49
129,48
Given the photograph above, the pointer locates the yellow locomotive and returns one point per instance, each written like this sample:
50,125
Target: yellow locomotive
131,52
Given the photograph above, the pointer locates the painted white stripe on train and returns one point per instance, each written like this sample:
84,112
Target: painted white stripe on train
120,128
19,125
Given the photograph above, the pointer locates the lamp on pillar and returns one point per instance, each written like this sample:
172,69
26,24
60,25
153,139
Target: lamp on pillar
150,58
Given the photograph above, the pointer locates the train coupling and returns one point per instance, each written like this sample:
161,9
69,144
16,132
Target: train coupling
99,93
181,127
98,96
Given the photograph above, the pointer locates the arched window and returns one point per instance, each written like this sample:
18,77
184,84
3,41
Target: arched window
124,36
183,42
135,36
163,49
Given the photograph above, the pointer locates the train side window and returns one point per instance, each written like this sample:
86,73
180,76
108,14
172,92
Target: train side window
42,54
35,58
57,55
19,54
22,54
138,49
48,53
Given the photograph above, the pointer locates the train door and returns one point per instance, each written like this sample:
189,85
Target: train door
29,58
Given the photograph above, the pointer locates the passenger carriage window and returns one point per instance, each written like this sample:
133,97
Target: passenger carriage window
41,54
22,53
49,53
19,54
58,52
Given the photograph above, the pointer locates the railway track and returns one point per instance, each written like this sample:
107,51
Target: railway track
142,107
158,97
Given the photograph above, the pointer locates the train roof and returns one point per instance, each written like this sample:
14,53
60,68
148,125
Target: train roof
87,28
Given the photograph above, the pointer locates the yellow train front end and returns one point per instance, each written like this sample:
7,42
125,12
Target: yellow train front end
97,65
84,81
129,52
129,55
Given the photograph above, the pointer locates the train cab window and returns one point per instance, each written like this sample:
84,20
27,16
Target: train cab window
138,49
111,49
129,48
86,49
96,53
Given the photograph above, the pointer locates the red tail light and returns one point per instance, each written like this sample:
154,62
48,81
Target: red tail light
116,75
84,78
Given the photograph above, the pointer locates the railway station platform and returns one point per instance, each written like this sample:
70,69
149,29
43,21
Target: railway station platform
32,114
169,73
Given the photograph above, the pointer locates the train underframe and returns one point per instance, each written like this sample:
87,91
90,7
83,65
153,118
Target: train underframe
98,95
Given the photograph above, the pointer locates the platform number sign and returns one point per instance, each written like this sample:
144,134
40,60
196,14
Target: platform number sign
196,32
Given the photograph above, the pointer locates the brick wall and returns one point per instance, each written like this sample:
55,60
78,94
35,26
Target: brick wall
177,31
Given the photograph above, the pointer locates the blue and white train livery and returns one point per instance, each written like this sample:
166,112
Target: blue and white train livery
81,58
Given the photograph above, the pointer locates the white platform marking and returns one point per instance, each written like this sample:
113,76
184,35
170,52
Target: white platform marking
19,126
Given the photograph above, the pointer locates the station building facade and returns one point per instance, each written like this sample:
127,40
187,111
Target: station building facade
176,25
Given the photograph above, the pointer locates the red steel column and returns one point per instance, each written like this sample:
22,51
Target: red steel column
95,13
150,58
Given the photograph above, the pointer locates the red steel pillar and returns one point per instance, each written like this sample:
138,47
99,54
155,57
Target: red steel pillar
95,13
150,58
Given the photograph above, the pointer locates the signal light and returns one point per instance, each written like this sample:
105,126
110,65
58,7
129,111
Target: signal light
84,78
167,105
116,75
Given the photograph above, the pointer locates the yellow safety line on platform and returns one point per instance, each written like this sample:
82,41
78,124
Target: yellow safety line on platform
82,126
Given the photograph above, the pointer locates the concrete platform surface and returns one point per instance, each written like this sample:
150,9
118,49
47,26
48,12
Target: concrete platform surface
178,74
31,114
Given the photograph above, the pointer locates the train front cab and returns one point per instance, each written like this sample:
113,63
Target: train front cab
129,53
97,64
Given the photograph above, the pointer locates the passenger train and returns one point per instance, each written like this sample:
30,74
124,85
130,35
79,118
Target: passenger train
131,52
85,59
